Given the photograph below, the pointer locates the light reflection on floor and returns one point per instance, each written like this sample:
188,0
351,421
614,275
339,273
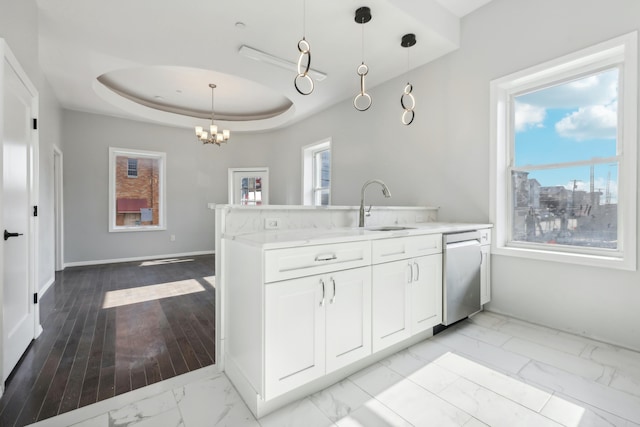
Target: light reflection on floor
153,292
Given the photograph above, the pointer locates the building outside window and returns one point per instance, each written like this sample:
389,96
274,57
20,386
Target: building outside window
565,157
316,186
132,168
136,204
251,191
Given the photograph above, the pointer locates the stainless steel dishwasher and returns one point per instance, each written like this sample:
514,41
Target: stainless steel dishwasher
461,281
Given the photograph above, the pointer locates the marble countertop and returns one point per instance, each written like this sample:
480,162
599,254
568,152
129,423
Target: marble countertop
277,239
315,208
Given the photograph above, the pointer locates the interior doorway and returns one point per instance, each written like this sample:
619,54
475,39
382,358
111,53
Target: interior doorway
249,186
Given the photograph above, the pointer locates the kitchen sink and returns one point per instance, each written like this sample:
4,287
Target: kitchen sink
389,228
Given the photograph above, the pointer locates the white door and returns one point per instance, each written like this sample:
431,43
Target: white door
348,317
18,307
294,333
390,303
426,293
249,186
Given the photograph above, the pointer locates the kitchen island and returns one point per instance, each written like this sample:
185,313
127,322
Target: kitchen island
306,307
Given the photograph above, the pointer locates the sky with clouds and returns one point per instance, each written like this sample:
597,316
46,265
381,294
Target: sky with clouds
573,121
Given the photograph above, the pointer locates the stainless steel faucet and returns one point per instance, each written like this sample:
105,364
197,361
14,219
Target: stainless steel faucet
385,192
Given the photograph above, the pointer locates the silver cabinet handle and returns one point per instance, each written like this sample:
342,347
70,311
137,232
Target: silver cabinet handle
417,271
326,257
322,302
333,298
410,272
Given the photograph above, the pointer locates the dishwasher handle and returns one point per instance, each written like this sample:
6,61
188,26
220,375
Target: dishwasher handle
463,244
461,237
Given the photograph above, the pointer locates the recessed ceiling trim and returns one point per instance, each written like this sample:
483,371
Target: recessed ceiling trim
184,121
191,113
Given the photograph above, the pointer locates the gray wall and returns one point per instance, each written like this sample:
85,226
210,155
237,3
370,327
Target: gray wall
195,175
19,28
440,160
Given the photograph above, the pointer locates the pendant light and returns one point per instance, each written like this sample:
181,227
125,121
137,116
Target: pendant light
213,136
303,81
407,101
362,101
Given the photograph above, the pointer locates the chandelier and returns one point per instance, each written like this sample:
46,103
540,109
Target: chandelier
213,136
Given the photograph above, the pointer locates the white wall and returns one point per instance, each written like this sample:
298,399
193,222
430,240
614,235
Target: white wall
195,175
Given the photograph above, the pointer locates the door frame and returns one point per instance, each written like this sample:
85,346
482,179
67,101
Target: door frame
33,170
260,170
58,208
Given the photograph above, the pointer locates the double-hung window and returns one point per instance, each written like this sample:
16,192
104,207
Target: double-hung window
564,157
136,204
316,183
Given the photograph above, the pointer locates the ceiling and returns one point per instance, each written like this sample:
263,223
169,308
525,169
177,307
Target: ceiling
153,60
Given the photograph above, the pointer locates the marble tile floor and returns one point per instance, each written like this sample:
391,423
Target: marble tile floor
488,370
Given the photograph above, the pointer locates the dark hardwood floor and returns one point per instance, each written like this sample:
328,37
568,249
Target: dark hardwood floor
110,329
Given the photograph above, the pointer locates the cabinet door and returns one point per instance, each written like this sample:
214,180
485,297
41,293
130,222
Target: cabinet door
348,316
485,275
426,293
390,303
294,333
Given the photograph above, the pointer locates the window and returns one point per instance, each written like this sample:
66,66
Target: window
132,168
316,183
249,186
564,158
136,204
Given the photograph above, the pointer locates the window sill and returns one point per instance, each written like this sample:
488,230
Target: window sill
137,228
618,263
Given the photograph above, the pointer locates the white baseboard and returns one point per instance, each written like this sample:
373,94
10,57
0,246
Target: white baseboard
142,258
46,286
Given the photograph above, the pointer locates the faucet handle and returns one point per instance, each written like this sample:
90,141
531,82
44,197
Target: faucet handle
368,213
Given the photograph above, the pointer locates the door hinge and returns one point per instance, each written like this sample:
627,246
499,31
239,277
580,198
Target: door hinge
35,124
35,211
35,298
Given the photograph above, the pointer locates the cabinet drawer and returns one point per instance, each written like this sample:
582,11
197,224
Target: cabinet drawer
282,264
394,249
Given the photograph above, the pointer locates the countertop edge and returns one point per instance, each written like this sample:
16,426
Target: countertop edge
280,239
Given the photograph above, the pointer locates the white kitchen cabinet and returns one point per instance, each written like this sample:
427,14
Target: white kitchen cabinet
315,325
485,266
293,334
407,294
426,293
391,322
348,317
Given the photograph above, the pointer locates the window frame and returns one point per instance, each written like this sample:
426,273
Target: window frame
162,210
310,172
622,52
